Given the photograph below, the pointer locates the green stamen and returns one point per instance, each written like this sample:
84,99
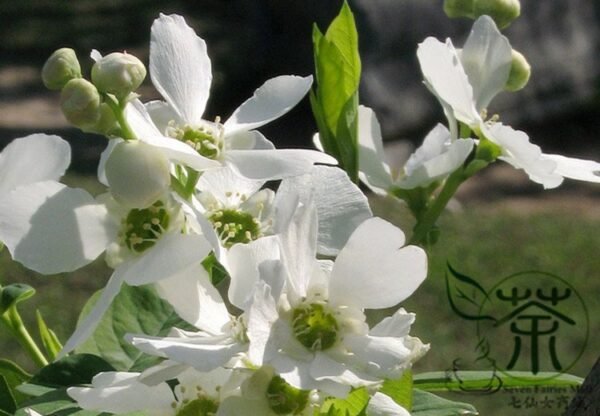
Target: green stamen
315,327
143,227
235,226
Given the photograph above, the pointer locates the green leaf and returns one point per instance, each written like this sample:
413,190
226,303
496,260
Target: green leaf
491,380
49,339
14,293
137,310
14,376
465,295
72,370
335,102
400,390
353,405
428,404
8,403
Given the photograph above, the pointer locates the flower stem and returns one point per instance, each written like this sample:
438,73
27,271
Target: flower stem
118,109
13,320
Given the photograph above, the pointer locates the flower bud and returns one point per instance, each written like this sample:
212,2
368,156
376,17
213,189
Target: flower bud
60,68
106,124
137,174
502,11
118,74
520,71
80,102
458,8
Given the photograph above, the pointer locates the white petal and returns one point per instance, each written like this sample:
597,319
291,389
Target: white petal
202,353
274,98
397,325
261,316
382,405
180,67
103,158
34,158
243,261
371,161
325,368
51,228
486,58
341,206
383,357
520,153
195,299
435,159
88,324
579,169
247,140
373,271
127,395
229,188
298,244
275,164
445,76
175,150
172,254
162,114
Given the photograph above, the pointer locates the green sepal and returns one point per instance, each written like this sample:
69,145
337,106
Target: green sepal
50,341
14,293
216,271
400,390
487,150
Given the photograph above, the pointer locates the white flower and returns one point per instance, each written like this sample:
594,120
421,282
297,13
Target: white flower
181,71
382,405
466,81
313,330
123,392
434,160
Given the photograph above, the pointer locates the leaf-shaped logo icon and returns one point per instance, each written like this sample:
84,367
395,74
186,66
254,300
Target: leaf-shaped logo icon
465,295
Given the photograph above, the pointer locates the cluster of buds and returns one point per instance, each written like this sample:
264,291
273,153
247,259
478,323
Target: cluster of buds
90,105
503,12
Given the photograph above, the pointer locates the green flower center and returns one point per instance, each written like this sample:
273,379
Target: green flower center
314,326
235,226
206,140
202,406
143,227
284,399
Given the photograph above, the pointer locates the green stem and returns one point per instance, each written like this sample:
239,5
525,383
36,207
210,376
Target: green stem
118,109
13,320
427,221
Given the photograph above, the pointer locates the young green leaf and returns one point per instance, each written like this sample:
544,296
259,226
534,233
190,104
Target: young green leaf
8,403
71,370
135,310
49,339
400,390
14,376
335,101
353,405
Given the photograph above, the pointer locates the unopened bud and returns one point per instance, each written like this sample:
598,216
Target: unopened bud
520,71
80,102
118,74
137,174
106,124
458,8
61,67
502,11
